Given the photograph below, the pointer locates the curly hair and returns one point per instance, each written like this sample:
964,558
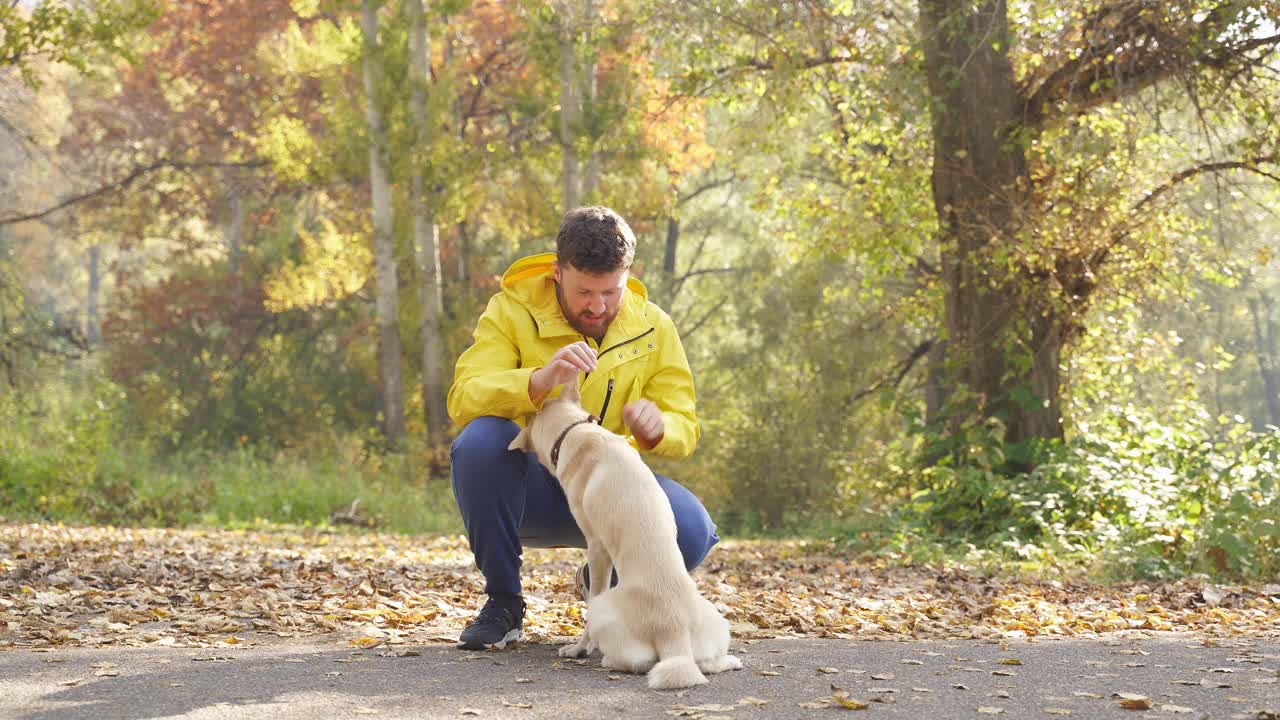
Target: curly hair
595,240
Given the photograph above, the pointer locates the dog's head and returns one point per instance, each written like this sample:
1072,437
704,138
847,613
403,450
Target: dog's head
558,413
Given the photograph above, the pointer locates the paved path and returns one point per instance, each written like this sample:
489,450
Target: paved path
1181,677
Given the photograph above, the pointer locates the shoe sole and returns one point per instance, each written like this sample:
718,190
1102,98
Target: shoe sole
514,636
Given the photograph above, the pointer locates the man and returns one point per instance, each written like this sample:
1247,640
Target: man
559,315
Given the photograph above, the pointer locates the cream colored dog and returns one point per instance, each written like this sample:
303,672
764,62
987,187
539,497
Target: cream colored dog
654,620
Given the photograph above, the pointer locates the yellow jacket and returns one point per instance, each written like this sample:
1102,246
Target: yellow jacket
523,326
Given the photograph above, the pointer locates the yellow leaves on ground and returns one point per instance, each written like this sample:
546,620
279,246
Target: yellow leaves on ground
116,586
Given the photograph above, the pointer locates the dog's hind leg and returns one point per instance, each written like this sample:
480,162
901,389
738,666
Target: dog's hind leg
676,667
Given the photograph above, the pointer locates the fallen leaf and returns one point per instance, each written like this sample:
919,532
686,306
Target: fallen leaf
1010,661
1132,701
1056,711
752,701
884,676
910,662
768,673
470,711
520,706
991,710
1177,709
828,670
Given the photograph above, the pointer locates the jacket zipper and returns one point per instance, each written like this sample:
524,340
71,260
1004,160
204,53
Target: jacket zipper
627,342
608,393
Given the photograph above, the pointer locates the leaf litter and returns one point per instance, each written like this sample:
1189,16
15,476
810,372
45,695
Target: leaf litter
99,586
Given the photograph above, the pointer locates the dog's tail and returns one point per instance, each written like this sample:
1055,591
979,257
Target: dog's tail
676,667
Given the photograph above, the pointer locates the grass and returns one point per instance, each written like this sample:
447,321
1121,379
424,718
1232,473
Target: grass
128,486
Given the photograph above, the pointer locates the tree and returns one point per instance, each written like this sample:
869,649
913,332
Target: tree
422,202
1052,181
1007,322
388,285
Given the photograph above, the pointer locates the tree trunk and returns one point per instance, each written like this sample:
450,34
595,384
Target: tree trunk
1004,343
233,231
591,175
93,329
426,232
388,309
1265,342
570,110
577,91
669,262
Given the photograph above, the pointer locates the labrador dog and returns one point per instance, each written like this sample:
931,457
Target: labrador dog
654,620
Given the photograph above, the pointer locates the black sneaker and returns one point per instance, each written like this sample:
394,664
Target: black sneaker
497,625
582,581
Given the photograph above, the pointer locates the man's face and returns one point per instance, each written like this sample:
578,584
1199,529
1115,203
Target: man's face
589,301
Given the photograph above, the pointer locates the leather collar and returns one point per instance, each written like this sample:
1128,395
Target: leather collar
555,449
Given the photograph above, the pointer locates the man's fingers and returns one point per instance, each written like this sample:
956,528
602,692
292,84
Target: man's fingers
580,355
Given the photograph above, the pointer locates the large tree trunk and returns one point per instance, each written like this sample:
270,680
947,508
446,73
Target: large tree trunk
1004,343
1265,343
426,232
579,175
388,308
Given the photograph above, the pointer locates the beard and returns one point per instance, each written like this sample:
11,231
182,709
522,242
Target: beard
593,327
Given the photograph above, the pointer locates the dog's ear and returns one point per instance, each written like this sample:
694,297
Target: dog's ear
521,441
570,391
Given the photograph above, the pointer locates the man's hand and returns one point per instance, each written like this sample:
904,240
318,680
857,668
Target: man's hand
563,367
644,419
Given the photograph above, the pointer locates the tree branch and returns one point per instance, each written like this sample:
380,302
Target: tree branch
1189,173
901,369
122,184
1127,48
807,63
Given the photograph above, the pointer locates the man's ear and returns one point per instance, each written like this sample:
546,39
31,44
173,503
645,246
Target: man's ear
570,391
521,441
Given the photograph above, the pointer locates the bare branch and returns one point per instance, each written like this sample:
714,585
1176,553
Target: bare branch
705,317
759,64
704,188
1189,173
122,184
897,373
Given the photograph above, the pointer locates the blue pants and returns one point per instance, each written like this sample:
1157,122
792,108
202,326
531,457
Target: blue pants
509,501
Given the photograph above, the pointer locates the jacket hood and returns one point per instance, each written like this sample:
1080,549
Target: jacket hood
531,282
543,264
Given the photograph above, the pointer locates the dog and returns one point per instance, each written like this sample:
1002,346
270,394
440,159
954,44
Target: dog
654,621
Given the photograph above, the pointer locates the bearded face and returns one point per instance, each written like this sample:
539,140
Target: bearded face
590,301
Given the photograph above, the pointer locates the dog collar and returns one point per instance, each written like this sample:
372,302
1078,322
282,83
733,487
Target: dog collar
555,449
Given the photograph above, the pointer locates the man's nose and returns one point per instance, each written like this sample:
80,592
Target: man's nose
596,306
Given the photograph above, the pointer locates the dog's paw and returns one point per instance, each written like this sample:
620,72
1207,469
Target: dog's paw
576,650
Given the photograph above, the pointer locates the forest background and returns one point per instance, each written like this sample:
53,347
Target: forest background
990,281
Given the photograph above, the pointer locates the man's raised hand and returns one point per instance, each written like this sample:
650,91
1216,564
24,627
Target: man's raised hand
645,421
563,367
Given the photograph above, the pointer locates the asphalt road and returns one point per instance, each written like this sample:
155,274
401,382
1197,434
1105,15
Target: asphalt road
323,678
